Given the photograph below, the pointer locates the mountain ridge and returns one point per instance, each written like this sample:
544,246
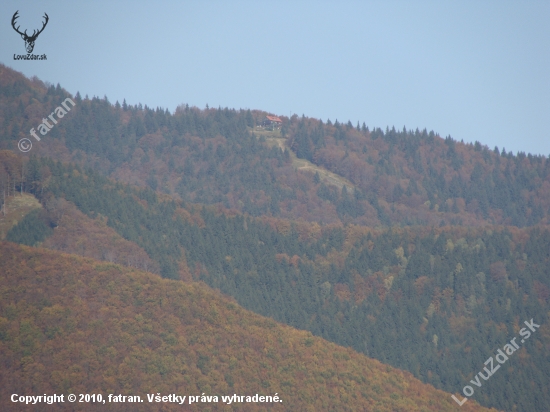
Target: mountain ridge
213,156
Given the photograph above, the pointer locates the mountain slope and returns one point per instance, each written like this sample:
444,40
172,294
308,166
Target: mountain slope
76,233
213,157
434,301
74,325
435,294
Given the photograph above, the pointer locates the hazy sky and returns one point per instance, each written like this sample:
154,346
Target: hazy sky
475,70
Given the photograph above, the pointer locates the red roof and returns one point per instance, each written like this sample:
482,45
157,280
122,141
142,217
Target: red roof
274,119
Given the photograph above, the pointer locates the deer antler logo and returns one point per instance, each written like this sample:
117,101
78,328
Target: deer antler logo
29,40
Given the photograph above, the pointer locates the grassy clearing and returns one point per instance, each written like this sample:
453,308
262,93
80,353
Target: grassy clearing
274,138
16,209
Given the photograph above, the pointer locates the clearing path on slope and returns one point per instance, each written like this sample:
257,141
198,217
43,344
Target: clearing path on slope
274,138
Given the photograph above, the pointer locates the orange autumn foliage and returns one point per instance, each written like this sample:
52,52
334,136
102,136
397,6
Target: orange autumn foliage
76,325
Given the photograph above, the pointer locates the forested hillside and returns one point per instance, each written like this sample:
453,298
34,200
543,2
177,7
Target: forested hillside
437,302
74,325
420,178
214,156
430,260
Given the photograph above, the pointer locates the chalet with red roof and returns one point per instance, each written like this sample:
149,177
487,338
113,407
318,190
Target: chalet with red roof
272,121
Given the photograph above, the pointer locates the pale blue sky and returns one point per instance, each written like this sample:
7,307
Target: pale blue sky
477,70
